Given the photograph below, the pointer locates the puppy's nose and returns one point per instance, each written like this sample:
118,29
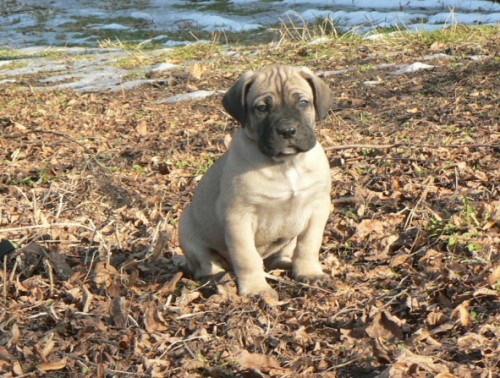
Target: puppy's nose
286,132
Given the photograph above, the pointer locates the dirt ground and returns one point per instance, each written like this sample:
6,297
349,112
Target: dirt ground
92,186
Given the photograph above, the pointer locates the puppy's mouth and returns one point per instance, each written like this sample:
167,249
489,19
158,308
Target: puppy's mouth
291,150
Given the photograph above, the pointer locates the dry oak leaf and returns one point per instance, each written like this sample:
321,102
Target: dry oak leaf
257,361
5,355
118,311
16,334
104,274
152,320
494,277
472,341
55,365
142,128
385,326
197,70
461,313
407,364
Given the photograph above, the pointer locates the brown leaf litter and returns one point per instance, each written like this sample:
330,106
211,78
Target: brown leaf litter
98,285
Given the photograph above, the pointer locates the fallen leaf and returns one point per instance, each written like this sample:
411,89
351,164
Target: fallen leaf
197,70
118,311
152,321
257,361
384,326
494,277
142,128
104,274
170,285
461,312
5,355
16,334
485,292
55,365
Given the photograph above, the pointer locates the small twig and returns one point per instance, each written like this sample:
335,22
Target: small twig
394,297
345,310
348,362
294,283
343,200
48,269
375,146
5,282
384,158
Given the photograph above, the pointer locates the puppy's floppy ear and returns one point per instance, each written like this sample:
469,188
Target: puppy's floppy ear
234,100
323,99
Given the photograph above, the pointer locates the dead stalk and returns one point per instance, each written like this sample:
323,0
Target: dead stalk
422,197
5,282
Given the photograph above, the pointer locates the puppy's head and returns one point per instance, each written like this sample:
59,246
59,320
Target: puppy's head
278,106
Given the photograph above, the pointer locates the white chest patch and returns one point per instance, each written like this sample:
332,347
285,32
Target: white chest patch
292,176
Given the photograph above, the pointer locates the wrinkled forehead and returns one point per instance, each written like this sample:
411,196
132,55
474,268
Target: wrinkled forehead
279,84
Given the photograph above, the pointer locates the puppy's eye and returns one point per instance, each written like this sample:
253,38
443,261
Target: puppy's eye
262,108
303,104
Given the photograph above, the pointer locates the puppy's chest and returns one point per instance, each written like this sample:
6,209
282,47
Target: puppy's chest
286,195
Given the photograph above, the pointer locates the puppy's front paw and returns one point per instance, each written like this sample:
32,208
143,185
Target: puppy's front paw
316,278
262,290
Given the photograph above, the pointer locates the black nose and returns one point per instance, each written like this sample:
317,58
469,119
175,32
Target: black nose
286,132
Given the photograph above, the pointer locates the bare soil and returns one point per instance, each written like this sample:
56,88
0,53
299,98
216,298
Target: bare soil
92,186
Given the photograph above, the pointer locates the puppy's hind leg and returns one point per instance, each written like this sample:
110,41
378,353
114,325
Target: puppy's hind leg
201,259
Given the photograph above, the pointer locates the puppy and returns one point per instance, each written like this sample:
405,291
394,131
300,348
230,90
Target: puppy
267,199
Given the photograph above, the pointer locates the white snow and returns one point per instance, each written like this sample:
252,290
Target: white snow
197,95
111,27
49,24
414,67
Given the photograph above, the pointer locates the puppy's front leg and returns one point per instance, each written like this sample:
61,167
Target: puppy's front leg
305,262
246,261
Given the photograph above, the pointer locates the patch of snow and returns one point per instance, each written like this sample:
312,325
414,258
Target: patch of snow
192,96
414,67
133,84
164,67
464,18
478,57
176,43
381,19
111,27
419,27
34,67
437,56
319,40
165,16
210,22
371,83
22,20
92,80
468,5
142,15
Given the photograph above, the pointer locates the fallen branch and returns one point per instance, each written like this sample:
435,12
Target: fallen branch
44,131
395,145
40,226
